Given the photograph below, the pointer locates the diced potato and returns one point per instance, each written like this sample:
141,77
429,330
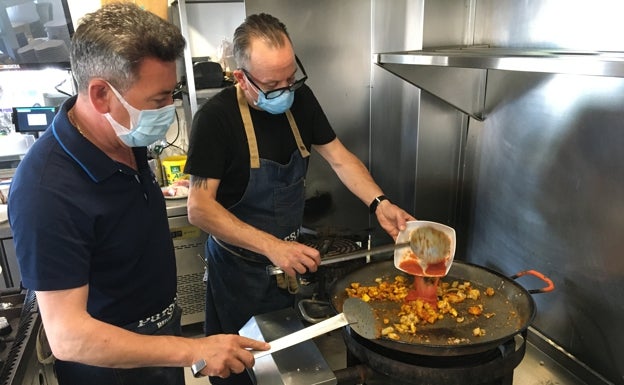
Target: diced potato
478,332
394,336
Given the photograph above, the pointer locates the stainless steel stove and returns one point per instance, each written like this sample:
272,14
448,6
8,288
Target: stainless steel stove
544,362
326,360
18,358
342,357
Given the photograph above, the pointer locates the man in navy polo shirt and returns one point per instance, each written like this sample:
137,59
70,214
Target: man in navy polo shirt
89,219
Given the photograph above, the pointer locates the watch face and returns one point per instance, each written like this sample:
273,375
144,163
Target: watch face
197,367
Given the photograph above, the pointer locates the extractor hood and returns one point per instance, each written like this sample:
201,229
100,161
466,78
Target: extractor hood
459,75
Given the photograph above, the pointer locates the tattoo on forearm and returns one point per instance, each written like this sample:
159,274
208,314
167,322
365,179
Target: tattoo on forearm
199,182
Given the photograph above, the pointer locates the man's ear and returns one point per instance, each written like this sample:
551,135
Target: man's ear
239,75
99,95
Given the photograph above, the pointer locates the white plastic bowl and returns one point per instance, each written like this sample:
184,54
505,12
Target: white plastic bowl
417,266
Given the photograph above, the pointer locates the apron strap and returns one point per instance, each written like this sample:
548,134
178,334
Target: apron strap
254,156
295,130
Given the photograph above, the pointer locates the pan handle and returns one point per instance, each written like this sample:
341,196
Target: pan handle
550,284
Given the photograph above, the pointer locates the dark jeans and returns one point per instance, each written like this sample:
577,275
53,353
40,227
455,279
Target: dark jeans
72,373
231,300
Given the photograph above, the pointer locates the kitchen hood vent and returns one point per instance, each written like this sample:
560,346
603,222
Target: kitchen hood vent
459,75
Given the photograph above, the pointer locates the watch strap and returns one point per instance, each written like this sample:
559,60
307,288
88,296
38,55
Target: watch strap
373,206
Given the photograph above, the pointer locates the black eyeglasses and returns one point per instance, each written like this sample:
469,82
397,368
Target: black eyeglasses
178,89
272,94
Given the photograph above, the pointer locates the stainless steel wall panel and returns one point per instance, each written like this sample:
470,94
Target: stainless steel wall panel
543,185
574,24
548,196
414,136
332,39
397,25
394,138
448,22
394,105
441,137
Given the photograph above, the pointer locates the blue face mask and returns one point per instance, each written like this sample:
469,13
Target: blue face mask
278,105
146,126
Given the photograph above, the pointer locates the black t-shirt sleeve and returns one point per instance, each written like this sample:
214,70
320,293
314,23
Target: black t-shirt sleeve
214,140
311,119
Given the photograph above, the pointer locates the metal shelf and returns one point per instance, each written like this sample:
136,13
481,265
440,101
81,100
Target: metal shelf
459,75
595,63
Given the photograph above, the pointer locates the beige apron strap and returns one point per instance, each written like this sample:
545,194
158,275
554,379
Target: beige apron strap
254,156
295,130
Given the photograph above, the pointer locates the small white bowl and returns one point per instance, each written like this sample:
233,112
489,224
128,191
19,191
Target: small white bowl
418,267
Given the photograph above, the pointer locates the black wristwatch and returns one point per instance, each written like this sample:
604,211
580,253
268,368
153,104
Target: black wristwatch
197,367
373,206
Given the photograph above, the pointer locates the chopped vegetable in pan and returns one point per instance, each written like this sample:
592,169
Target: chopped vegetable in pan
454,299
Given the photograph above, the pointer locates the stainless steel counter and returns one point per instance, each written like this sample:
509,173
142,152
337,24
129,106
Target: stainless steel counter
5,230
176,207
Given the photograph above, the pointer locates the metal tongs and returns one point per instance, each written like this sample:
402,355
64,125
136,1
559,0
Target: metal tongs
275,270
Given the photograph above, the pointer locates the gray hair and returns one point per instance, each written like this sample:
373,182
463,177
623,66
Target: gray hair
112,42
262,26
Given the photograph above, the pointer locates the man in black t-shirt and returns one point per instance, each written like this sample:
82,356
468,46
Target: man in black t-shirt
248,158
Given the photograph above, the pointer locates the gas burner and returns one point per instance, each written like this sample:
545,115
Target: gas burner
331,242
490,367
333,246
314,287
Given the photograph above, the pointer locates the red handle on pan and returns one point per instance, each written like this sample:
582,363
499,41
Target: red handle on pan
549,282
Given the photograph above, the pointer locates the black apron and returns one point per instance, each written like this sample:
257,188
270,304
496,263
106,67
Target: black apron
238,286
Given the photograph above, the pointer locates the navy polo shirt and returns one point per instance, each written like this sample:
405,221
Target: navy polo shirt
78,217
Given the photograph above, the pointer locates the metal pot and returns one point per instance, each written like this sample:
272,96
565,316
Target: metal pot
512,305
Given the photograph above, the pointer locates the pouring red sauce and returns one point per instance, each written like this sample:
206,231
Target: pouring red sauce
411,266
425,285
425,289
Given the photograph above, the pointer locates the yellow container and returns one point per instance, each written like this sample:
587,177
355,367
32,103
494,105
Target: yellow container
173,168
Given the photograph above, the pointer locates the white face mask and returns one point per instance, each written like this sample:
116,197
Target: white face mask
146,126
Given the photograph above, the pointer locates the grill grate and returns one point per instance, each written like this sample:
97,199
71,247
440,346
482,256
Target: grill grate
191,293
